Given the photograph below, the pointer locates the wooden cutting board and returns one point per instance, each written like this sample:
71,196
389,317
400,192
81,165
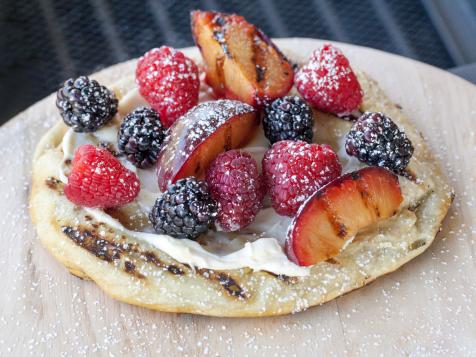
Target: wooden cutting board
426,307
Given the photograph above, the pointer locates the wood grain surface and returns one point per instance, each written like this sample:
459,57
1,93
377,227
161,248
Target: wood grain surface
427,307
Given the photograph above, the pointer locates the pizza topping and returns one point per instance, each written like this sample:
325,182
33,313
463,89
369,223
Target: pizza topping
140,137
197,138
98,179
238,188
169,81
294,170
328,82
376,140
231,197
240,61
288,118
85,105
185,210
335,213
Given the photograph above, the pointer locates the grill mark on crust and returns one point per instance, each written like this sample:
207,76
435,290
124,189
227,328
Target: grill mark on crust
53,183
415,206
152,258
130,268
100,247
285,278
111,251
231,287
417,244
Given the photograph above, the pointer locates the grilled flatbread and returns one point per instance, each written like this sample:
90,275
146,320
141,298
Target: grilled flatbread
132,270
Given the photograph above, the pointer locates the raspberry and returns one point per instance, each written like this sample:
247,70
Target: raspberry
185,210
288,118
85,105
169,81
237,187
294,170
376,140
98,179
140,137
328,83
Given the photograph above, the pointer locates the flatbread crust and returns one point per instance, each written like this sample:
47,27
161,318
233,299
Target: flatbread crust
135,272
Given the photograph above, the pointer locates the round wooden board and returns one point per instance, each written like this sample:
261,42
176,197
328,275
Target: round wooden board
426,307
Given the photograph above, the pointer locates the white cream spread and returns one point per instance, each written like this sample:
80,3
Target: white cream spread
261,254
259,246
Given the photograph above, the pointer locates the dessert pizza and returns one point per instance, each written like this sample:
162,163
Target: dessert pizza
236,179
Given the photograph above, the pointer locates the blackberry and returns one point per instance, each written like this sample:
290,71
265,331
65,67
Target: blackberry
140,137
185,210
288,118
376,140
85,105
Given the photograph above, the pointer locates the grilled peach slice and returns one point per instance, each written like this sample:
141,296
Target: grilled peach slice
241,62
335,213
197,138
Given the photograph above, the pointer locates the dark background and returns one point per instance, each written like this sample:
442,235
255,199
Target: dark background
43,42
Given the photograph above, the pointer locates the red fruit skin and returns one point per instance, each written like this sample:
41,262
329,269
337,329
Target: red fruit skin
98,179
294,170
328,82
288,249
238,188
169,81
197,138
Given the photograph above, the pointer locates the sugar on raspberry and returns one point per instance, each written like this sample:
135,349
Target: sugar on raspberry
328,83
294,170
169,81
238,188
98,179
